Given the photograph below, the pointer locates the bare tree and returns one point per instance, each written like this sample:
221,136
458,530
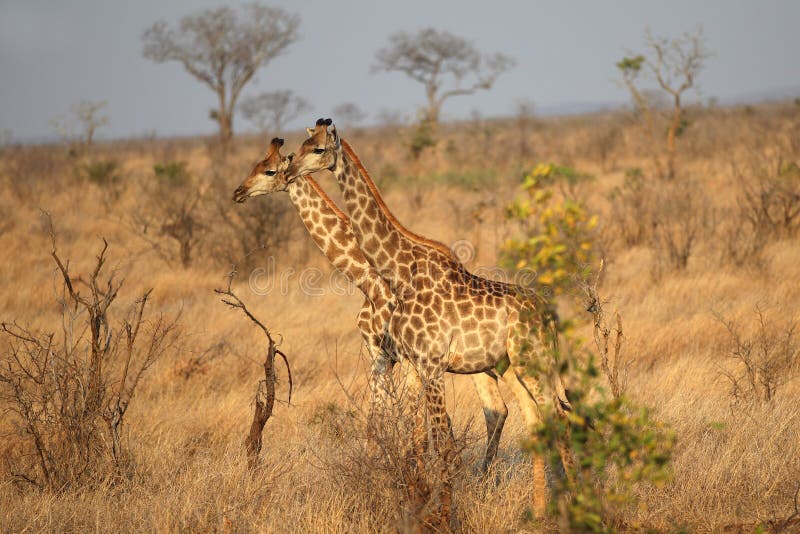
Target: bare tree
271,111
674,64
349,114
223,49
87,116
447,65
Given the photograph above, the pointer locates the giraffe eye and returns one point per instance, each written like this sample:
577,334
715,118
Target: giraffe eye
319,150
270,173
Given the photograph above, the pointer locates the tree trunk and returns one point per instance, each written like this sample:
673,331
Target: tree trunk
225,120
264,402
186,252
225,131
677,114
432,111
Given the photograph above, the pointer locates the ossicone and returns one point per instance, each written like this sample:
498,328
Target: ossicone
277,141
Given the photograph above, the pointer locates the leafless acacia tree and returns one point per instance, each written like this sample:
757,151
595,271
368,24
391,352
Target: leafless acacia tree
674,64
87,115
270,111
447,65
223,49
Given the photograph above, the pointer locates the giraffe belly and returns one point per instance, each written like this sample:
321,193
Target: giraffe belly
476,351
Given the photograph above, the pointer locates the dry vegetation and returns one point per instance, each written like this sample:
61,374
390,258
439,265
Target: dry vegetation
703,268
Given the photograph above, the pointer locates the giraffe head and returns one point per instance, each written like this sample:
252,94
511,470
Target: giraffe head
268,175
319,151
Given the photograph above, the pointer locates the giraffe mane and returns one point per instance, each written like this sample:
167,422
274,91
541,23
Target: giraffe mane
328,200
441,247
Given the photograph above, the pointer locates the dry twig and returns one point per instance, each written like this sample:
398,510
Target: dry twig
614,366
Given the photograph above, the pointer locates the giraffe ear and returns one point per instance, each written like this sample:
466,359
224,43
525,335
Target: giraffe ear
310,131
332,130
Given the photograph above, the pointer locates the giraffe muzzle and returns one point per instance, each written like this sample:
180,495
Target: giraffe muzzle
240,195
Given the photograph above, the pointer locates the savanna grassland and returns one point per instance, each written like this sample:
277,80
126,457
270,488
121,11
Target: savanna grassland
703,269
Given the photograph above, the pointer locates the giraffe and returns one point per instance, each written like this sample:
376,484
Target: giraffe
448,320
330,229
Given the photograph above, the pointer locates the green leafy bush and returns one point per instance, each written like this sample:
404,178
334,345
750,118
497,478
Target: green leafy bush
102,172
617,447
557,233
172,173
423,136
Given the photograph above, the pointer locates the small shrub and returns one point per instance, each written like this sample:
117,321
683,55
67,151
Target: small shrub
631,209
762,362
770,203
423,136
334,421
172,206
767,209
172,173
68,393
395,476
681,217
103,172
617,446
248,234
30,172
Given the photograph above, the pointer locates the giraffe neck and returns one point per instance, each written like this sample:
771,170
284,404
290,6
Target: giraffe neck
331,231
386,243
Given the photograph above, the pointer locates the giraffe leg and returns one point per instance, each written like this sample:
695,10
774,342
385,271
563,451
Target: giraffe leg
532,415
414,392
381,387
380,379
524,351
415,475
563,440
443,445
495,412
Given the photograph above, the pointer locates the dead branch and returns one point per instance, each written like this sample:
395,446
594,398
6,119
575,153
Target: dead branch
614,366
265,393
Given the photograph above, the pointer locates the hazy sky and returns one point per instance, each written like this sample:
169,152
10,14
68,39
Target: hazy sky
54,53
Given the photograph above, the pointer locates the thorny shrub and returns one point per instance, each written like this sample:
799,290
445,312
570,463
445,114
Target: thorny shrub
170,216
761,362
67,393
767,208
378,462
669,217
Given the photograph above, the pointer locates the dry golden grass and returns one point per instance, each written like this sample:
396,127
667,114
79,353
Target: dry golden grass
734,465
